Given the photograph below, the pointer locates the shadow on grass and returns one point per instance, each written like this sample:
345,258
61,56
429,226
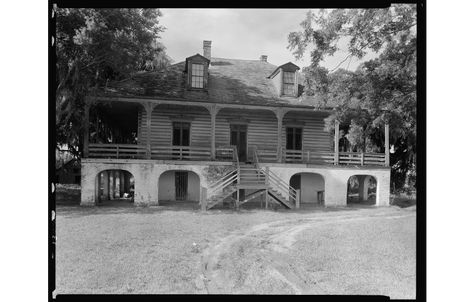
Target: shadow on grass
403,202
188,207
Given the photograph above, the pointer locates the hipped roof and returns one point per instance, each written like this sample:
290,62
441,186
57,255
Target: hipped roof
231,81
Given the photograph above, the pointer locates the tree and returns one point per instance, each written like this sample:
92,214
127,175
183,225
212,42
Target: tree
379,90
92,47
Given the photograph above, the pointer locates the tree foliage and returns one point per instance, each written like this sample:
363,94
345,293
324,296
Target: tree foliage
379,90
94,46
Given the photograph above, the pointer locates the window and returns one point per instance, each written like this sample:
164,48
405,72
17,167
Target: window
288,83
181,134
197,76
293,138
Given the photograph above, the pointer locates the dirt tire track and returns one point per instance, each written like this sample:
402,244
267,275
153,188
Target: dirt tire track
251,261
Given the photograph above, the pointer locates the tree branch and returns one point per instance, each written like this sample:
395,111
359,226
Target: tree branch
340,63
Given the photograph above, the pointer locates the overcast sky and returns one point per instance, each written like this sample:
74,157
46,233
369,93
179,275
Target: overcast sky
238,34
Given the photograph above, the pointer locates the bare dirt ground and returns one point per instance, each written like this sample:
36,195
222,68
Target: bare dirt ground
318,255
357,250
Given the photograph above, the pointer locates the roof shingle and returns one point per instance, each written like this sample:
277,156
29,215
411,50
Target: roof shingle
231,81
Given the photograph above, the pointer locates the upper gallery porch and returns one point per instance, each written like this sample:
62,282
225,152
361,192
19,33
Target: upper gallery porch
131,128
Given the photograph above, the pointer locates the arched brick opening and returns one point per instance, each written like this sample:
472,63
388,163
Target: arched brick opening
362,189
179,186
311,186
114,185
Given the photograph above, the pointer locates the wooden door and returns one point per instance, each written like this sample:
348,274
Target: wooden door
181,134
238,137
181,138
181,185
294,138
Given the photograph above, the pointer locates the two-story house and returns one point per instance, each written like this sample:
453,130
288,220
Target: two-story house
213,130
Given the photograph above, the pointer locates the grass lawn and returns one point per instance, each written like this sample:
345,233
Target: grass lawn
165,250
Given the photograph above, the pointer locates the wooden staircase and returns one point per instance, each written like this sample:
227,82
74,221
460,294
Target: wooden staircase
250,177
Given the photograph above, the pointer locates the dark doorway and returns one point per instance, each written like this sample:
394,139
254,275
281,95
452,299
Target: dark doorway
115,185
295,181
238,137
294,138
181,134
180,138
181,184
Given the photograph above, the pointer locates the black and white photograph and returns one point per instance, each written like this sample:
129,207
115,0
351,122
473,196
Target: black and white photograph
236,151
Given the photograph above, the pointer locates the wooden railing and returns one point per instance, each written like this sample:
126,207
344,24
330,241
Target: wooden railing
293,156
320,157
327,157
227,180
266,155
223,182
133,151
180,153
354,158
275,181
256,157
229,153
236,157
225,153
117,151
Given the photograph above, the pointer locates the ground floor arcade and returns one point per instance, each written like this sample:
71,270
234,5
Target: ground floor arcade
161,181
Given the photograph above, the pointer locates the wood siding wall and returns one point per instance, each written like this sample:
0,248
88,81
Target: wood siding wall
261,127
162,125
314,136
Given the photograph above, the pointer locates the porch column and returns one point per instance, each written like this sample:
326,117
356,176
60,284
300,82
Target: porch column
213,111
126,183
106,191
149,110
363,181
122,183
86,130
116,178
336,143
111,184
387,147
279,115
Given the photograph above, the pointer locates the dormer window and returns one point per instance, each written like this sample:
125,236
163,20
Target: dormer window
288,83
197,72
197,76
285,80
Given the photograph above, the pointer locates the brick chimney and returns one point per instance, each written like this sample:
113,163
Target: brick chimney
206,45
263,58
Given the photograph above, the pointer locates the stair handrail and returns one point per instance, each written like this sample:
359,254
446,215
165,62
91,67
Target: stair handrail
255,155
277,182
223,185
274,179
228,178
257,164
236,156
223,178
222,182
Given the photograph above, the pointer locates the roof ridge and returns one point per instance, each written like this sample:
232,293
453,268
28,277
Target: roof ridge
256,60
